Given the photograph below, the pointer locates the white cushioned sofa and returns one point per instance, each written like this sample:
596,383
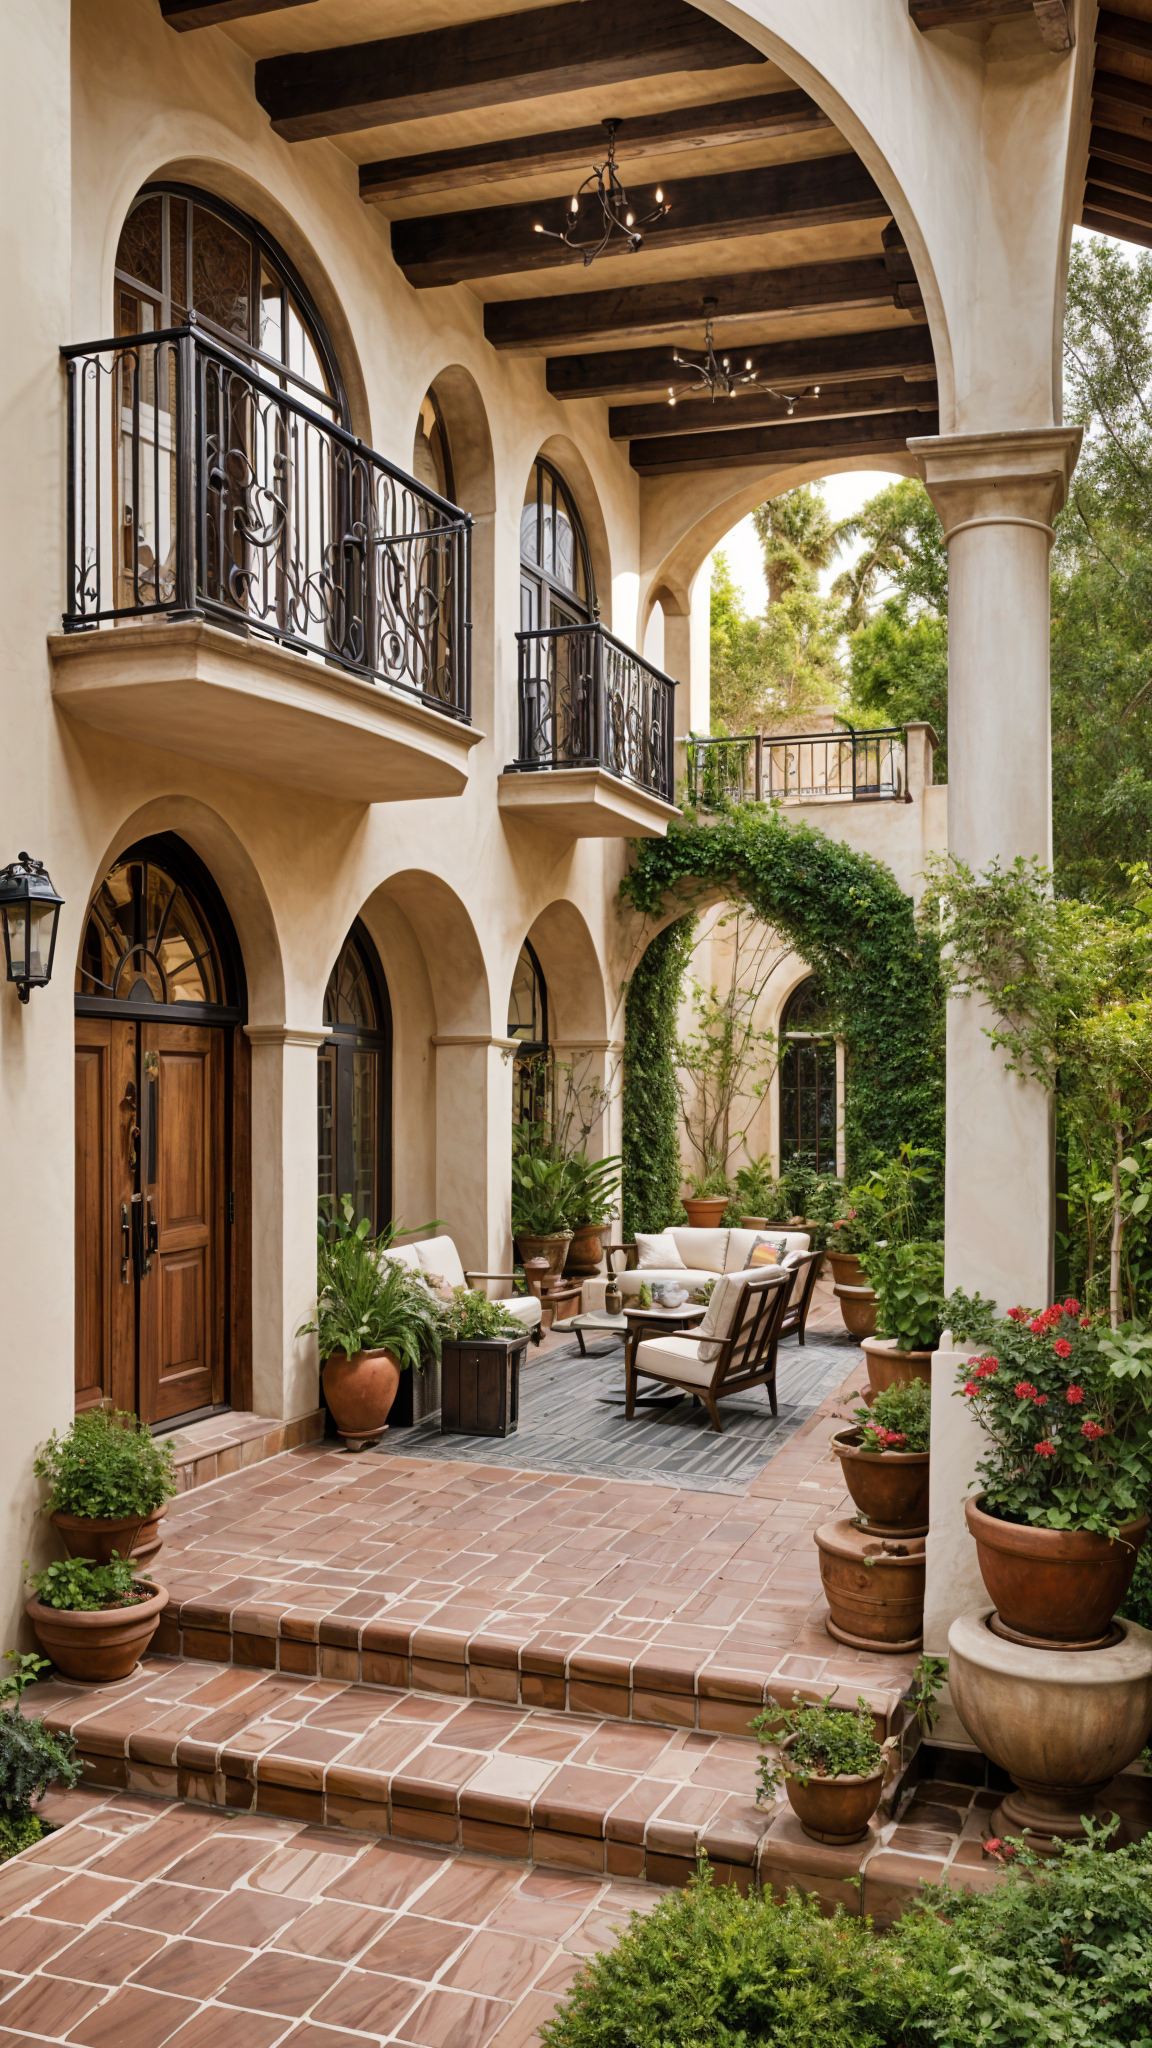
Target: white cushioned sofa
438,1255
706,1254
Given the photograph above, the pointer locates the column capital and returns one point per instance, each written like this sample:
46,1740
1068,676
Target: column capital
284,1034
1017,478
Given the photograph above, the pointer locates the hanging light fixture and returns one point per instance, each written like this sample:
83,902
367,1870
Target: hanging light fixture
30,911
617,214
717,375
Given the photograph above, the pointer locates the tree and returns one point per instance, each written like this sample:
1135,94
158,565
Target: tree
769,671
895,600
726,1061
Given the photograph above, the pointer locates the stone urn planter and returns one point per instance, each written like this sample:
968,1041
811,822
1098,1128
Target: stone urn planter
874,1586
888,1367
705,1212
1061,1724
554,1248
890,1488
101,1646
847,1268
835,1810
360,1391
1056,1588
96,1537
858,1307
585,1251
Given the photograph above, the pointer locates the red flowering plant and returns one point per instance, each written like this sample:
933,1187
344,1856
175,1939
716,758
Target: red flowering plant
1066,1403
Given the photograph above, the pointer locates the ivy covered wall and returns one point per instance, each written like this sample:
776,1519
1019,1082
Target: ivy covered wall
846,916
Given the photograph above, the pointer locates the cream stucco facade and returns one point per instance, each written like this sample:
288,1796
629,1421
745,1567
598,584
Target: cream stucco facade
244,750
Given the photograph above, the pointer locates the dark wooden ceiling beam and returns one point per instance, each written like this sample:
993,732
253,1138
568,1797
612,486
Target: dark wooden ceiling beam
1121,32
185,14
492,241
826,441
1120,98
1109,203
573,149
818,359
1103,223
494,62
1114,147
633,310
1052,17
1120,178
753,407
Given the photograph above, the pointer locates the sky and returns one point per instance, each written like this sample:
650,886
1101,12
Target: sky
842,495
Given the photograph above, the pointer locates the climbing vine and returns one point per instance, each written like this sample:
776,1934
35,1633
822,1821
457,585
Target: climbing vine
651,1135
846,915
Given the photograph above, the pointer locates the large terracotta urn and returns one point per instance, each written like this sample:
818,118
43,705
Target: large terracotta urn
874,1586
1061,1723
847,1267
360,1391
705,1212
553,1247
858,1308
585,1251
888,1367
834,1810
890,1488
1055,1587
102,1645
96,1537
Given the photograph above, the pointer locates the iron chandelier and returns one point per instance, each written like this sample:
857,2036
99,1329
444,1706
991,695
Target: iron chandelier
617,216
717,375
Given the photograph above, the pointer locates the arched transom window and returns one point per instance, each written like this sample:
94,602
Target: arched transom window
556,587
808,1079
354,1084
148,940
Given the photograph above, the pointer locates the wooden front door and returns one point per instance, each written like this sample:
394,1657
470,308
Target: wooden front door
151,1200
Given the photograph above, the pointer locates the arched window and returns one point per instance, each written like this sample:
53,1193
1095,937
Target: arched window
354,1083
431,450
157,934
808,1079
528,1025
556,587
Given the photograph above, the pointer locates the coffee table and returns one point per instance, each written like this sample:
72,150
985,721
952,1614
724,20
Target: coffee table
596,1319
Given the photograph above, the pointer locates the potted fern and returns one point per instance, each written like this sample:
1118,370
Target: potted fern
109,1484
374,1320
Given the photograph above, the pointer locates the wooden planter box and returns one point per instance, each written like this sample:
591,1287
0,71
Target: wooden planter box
480,1386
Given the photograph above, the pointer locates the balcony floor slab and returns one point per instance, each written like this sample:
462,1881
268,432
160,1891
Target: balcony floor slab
236,701
585,803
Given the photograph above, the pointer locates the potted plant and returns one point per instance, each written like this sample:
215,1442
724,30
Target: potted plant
482,1346
756,1192
884,1459
708,1197
595,1191
32,1758
908,1282
831,1764
374,1319
896,1202
545,1190
109,1484
1066,1404
95,1621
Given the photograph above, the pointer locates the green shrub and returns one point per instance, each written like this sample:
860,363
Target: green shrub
106,1466
908,1281
31,1759
1138,1600
77,1587
900,1419
827,1742
471,1314
651,1105
369,1302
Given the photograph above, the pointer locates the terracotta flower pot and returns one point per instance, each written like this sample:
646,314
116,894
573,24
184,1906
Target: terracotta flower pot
96,1537
585,1251
834,1810
847,1270
888,1367
99,1647
858,1307
704,1211
1057,1588
874,1586
553,1248
360,1391
890,1488
1061,1726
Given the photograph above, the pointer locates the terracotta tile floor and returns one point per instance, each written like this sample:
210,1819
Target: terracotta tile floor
220,1444
143,1922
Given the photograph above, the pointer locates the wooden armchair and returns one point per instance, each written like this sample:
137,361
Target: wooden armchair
795,1314
746,1357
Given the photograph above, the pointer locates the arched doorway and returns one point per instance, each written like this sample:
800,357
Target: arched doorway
528,1025
354,1084
162,1145
808,1079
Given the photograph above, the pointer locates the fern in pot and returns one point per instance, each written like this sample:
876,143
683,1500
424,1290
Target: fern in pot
374,1320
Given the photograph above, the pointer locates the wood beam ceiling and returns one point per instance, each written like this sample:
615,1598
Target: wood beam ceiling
1121,32
448,248
186,14
776,447
490,63
1118,184
628,311
818,359
1052,17
752,407
573,149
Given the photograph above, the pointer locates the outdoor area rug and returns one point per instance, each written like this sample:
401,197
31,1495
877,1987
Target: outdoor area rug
572,1420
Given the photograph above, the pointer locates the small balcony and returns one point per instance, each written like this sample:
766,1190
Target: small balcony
251,585
597,735
843,767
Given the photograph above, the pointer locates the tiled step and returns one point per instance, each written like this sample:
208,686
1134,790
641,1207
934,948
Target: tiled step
593,1798
232,1442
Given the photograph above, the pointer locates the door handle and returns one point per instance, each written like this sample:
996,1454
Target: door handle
153,1235
125,1241
133,1134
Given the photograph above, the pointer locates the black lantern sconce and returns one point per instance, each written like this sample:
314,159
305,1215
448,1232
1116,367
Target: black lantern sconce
30,909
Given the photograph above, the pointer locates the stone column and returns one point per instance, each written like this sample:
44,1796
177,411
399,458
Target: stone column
285,1367
474,1148
997,495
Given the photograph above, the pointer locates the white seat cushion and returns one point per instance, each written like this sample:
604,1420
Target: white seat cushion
741,1242
676,1358
659,1250
703,1250
403,1255
717,1324
439,1255
524,1307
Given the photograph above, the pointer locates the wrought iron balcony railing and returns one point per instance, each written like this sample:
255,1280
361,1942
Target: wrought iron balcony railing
848,766
199,487
587,701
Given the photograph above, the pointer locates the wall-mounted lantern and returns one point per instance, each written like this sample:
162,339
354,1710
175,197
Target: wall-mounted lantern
30,909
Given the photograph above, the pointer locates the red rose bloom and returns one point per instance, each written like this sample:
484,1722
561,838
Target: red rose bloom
1075,1395
1046,1448
970,1388
1037,1326
1093,1431
1024,1390
1041,1400
1016,1315
1071,1308
1062,1348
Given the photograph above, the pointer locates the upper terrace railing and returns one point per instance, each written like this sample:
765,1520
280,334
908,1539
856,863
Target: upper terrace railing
198,487
588,701
848,766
